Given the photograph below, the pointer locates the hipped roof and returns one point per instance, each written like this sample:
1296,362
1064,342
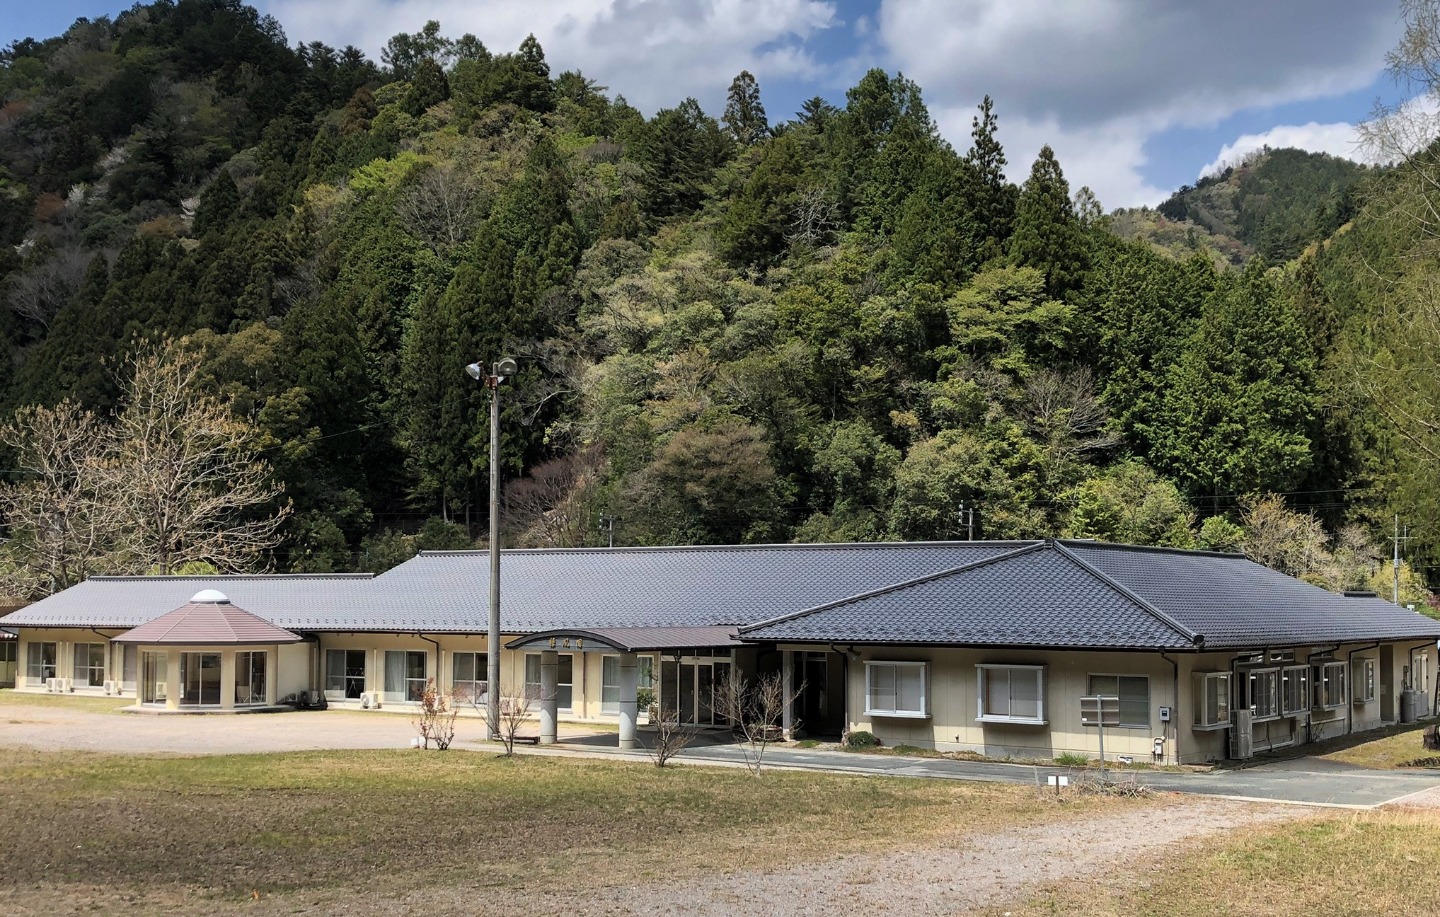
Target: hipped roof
208,624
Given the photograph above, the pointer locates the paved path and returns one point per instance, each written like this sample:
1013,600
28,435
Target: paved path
1308,781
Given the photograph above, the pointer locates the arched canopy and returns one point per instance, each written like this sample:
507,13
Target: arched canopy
629,639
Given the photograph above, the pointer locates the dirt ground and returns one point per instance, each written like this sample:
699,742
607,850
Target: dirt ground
948,876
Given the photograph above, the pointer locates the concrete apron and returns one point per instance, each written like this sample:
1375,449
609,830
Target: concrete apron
1304,782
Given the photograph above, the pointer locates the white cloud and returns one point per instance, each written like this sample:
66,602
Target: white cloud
1097,78
654,52
1339,139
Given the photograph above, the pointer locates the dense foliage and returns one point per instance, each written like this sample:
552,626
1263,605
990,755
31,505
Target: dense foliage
834,326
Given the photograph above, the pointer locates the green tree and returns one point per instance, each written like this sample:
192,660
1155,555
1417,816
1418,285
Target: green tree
1131,504
994,197
744,116
1047,235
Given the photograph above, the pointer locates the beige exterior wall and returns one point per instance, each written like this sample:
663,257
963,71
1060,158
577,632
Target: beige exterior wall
953,698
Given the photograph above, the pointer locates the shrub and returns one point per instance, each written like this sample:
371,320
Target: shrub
861,739
1072,759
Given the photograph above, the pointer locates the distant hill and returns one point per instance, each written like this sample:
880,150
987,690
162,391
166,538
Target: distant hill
1272,203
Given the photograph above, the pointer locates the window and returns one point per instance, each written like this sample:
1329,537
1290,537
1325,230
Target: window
250,678
1211,692
610,684
89,665
344,674
1294,689
155,685
1264,693
469,673
39,662
130,660
646,674
404,676
1010,693
1330,685
1364,681
1134,694
564,685
200,679
896,689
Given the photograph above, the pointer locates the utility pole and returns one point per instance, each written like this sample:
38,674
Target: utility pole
1398,539
967,519
609,522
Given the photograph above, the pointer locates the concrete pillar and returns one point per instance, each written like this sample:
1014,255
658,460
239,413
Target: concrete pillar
787,679
172,678
272,667
227,680
549,679
629,707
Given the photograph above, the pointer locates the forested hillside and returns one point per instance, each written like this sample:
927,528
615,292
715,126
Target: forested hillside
731,326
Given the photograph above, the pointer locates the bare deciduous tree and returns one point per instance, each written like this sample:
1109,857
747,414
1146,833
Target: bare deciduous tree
39,292
59,530
435,721
549,505
671,737
185,474
1066,414
513,714
440,206
816,219
755,710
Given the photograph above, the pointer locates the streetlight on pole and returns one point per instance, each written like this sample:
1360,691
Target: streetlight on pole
491,380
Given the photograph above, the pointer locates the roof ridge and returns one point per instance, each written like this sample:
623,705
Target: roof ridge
787,546
1150,548
1128,593
1026,548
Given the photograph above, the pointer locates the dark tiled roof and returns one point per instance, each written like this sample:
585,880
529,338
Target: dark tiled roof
207,623
631,639
1033,596
643,587
129,601
1234,602
1087,594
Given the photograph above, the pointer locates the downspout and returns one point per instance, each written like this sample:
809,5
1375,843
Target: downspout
1174,701
436,644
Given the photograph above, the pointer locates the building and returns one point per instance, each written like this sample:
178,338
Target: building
981,646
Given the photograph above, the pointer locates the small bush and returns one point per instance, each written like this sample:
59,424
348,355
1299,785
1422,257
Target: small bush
807,743
861,739
1072,759
910,750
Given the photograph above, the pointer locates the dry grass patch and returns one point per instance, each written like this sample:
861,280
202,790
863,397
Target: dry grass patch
218,828
1400,746
1367,863
10,698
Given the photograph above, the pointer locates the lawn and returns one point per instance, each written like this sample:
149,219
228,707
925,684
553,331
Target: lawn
173,833
9,697
1400,746
1370,863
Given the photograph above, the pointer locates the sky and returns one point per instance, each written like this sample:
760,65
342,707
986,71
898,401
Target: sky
1137,97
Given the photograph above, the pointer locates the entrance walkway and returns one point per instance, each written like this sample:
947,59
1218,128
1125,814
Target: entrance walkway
1306,781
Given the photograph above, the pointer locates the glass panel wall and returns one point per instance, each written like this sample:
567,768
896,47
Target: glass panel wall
154,678
404,676
39,663
468,674
344,674
250,678
200,679
89,666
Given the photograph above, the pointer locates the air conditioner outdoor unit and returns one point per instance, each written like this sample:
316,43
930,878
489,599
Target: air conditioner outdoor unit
112,687
1242,736
370,700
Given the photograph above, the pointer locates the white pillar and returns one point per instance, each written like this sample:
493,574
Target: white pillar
227,679
549,677
172,677
629,707
787,679
272,668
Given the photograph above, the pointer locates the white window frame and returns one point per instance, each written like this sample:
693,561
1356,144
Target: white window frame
1263,693
1363,681
1327,674
896,666
610,690
1204,686
84,672
1119,679
1295,690
37,668
983,679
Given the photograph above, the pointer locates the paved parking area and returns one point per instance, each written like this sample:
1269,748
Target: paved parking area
1307,781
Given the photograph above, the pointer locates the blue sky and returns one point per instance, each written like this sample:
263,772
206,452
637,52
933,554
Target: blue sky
1136,96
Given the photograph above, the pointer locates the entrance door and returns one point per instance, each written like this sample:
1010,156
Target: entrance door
200,679
696,680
